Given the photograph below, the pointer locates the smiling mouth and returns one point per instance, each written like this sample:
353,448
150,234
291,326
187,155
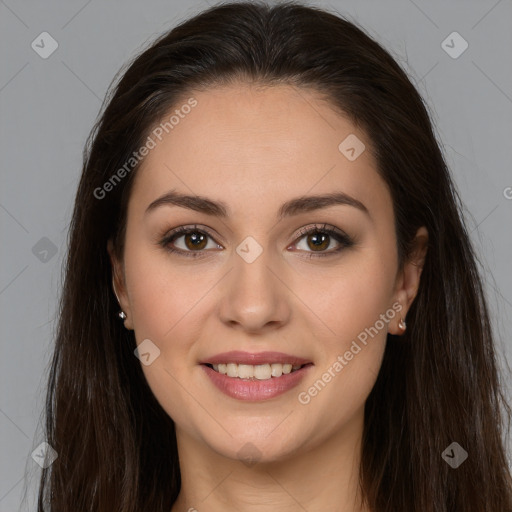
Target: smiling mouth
258,372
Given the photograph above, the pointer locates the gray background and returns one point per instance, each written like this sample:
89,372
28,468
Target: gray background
48,107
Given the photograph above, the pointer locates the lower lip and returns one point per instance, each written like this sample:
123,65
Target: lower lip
254,389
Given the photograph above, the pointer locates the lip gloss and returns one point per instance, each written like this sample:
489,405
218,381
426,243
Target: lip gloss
253,389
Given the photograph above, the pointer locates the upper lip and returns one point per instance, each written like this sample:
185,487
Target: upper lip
240,357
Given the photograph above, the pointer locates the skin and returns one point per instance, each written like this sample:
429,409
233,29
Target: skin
254,148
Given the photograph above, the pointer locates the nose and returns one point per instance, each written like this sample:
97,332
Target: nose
255,297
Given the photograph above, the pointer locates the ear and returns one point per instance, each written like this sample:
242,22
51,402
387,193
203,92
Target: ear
408,279
119,285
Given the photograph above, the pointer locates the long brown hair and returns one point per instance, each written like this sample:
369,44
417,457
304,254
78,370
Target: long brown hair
438,383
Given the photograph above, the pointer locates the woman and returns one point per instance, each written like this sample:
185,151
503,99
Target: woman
271,300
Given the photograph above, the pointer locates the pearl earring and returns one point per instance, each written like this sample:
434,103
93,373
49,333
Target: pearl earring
121,314
402,324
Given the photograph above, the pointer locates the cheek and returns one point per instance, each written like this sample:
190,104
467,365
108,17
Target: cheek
349,317
338,392
161,294
163,300
349,298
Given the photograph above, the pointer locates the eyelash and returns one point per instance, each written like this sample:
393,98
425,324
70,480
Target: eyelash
332,231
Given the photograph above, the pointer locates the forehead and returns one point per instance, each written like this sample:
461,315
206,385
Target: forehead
249,144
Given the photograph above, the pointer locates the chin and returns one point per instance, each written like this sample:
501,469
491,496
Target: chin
253,447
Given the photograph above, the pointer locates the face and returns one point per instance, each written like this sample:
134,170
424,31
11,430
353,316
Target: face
313,284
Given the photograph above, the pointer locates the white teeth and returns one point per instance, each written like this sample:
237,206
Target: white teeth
259,371
262,371
245,371
232,370
277,369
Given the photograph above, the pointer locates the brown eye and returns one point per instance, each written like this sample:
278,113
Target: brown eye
319,241
195,240
194,243
319,238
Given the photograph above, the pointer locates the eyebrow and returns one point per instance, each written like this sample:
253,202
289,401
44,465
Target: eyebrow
292,207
